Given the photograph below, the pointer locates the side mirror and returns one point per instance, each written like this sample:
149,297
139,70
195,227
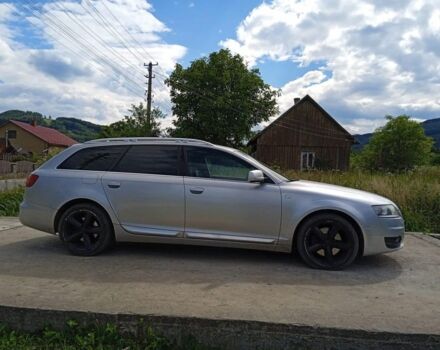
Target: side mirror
255,176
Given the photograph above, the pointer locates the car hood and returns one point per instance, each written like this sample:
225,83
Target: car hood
327,191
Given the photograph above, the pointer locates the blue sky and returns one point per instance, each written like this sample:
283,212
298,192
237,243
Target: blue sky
359,59
201,25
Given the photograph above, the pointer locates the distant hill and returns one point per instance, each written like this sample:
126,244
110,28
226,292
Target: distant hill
431,127
78,129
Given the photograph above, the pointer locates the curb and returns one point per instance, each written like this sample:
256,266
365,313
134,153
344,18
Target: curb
224,334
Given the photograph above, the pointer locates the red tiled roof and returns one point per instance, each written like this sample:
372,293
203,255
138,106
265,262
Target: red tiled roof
51,136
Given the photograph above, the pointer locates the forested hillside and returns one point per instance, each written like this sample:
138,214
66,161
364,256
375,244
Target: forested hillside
78,129
431,127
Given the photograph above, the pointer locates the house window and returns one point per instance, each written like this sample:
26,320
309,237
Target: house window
307,160
12,134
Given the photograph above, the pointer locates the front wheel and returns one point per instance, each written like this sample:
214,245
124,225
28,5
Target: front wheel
327,241
86,229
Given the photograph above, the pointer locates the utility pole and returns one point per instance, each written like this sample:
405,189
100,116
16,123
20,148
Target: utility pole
150,77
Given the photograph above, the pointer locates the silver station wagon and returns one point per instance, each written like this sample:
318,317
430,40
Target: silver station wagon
186,191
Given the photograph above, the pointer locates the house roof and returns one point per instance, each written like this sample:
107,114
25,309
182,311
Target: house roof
51,136
282,116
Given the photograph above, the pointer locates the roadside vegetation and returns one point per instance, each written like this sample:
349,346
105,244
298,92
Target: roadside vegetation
416,192
10,201
89,338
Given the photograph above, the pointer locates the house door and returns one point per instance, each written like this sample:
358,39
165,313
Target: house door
307,160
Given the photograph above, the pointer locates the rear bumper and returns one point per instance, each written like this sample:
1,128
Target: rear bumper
385,235
37,217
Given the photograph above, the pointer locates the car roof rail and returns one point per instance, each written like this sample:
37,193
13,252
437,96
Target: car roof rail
155,139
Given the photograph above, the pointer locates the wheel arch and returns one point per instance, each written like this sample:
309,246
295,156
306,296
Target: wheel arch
346,216
75,201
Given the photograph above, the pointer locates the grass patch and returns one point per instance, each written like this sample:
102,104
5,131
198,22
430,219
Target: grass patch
417,192
10,201
95,337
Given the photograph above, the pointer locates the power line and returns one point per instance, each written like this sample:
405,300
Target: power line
70,34
63,34
99,39
131,36
107,26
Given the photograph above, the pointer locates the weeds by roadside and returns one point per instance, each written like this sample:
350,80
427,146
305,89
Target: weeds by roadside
10,201
416,192
94,337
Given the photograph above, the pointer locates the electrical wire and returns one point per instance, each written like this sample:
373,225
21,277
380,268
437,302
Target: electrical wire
98,38
71,35
93,61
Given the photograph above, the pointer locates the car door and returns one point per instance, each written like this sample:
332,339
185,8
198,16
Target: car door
146,191
222,205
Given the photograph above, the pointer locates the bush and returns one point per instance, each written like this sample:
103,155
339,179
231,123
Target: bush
400,145
10,201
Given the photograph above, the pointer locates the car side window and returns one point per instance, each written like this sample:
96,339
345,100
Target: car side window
94,158
215,164
150,159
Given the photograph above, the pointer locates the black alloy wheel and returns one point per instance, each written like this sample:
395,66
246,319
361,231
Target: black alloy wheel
327,241
86,229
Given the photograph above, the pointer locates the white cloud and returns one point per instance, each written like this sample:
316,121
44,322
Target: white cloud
95,76
380,57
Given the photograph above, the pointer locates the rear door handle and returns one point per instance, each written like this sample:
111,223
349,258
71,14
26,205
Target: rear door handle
114,184
196,190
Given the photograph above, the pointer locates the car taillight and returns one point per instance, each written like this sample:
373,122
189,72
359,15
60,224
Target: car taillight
31,180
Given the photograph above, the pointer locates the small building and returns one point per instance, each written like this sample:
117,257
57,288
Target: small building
304,137
22,138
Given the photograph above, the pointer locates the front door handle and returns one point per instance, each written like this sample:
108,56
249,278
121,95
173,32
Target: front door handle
196,190
114,184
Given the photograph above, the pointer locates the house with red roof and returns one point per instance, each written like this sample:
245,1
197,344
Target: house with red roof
24,138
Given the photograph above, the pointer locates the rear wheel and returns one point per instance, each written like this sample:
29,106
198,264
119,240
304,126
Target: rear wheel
327,241
86,229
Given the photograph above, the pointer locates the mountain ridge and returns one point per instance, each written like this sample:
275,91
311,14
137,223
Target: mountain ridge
79,130
431,127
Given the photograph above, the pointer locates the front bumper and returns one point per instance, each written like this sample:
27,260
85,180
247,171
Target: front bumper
384,235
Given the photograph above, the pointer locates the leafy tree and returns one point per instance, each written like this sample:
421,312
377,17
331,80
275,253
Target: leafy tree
135,124
399,145
218,99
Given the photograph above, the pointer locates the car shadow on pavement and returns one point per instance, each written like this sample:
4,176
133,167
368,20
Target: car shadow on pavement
46,257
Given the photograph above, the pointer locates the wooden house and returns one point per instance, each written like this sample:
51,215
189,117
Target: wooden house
304,137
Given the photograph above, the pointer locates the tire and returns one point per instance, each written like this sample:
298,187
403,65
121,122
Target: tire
327,241
86,229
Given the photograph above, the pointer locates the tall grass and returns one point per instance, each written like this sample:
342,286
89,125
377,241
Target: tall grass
417,193
10,201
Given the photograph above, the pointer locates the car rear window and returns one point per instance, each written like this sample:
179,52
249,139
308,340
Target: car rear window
94,158
146,159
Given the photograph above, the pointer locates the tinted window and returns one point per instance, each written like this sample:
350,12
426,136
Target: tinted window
162,160
94,158
211,163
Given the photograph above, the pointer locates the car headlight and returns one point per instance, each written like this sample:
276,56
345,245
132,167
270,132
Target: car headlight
386,210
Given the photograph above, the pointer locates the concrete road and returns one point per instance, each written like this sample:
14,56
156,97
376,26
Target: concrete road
399,292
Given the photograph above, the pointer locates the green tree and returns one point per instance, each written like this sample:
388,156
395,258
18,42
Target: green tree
135,124
218,99
399,145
